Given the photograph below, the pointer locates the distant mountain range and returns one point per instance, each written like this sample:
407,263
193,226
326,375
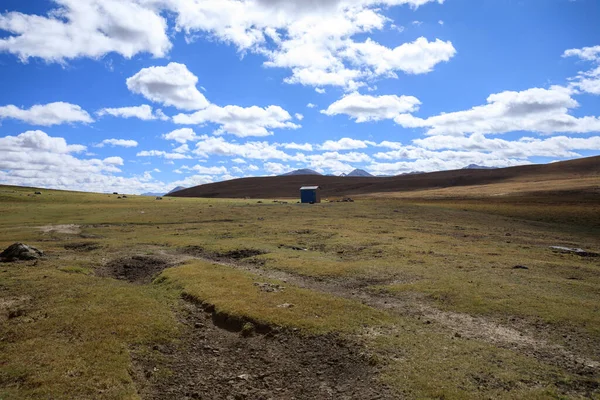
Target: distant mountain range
475,166
306,171
363,173
177,189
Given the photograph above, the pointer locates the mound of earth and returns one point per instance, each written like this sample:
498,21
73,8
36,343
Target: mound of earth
20,251
135,269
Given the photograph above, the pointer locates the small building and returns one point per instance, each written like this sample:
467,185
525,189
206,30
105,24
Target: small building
310,194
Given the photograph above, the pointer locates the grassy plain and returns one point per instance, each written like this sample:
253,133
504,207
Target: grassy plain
424,285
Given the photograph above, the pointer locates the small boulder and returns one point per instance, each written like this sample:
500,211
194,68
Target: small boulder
520,267
38,193
20,251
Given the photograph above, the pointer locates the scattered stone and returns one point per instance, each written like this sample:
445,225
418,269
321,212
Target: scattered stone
269,287
507,234
20,251
159,198
576,251
520,267
244,377
38,193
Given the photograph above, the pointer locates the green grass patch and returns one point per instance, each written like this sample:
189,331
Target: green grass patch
237,294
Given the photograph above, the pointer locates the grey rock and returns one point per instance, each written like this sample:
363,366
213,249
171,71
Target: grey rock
20,251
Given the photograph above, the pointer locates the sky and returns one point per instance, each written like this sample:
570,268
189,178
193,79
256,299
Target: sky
145,95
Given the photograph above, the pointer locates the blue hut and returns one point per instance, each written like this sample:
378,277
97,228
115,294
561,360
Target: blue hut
310,194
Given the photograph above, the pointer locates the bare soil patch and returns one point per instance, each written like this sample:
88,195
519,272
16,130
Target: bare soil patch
135,269
523,337
215,363
83,246
233,255
70,229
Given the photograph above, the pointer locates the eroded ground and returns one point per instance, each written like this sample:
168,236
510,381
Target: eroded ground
388,298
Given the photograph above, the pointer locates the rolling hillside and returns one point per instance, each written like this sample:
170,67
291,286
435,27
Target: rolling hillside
287,186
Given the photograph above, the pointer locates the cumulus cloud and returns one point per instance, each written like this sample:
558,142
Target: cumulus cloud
365,108
183,135
143,112
276,168
418,57
545,111
34,158
313,39
345,144
586,81
525,147
85,28
160,153
538,110
240,121
250,150
297,146
47,114
171,85
117,142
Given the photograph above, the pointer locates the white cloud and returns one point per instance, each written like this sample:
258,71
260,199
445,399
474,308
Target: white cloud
184,148
172,85
35,159
240,121
441,22
47,114
308,37
585,53
418,57
320,90
276,168
544,111
365,108
160,153
202,170
586,81
239,161
556,146
85,28
117,142
345,144
299,116
311,105
252,150
297,146
38,141
143,112
183,135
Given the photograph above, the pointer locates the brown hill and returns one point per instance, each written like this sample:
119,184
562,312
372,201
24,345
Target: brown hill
586,169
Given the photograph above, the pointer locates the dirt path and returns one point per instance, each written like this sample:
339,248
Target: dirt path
526,339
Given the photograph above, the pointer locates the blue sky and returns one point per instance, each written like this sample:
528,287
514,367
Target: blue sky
145,95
